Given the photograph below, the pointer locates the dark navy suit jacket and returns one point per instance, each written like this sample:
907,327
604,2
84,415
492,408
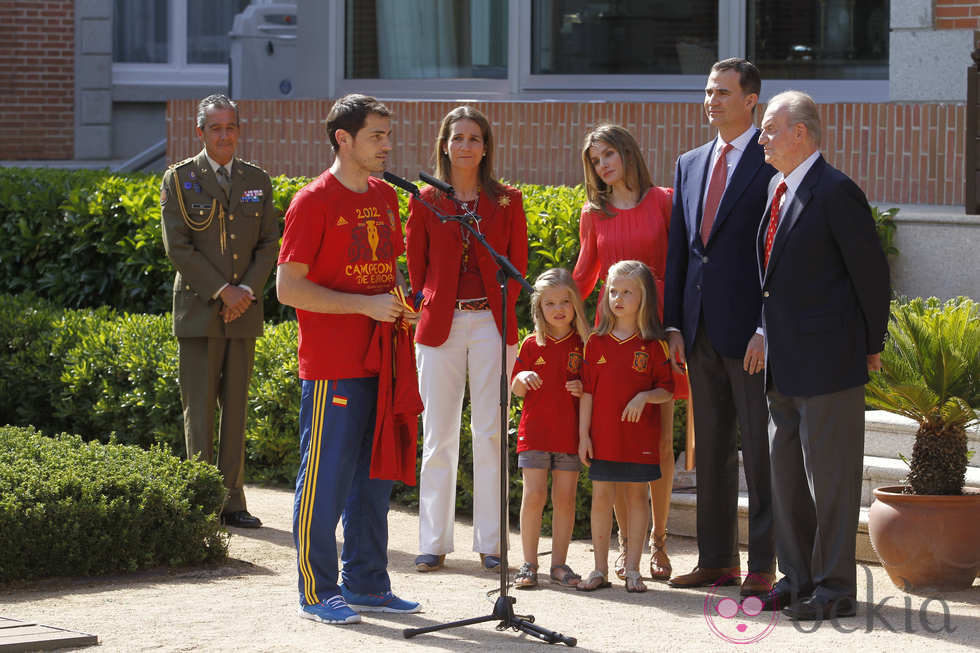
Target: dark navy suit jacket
719,280
826,290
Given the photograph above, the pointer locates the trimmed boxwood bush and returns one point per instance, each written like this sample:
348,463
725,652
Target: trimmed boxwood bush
113,376
68,507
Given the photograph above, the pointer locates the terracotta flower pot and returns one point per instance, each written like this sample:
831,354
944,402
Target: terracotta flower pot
926,542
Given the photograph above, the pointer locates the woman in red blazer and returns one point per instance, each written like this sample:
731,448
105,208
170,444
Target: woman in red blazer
458,336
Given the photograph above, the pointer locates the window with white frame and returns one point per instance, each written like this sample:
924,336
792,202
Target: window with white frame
610,49
629,37
172,41
425,39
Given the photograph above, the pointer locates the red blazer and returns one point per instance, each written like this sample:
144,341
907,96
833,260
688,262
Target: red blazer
435,249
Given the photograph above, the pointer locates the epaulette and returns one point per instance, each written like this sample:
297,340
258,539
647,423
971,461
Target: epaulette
180,163
251,165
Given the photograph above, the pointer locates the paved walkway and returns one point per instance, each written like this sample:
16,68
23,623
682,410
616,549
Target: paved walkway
249,605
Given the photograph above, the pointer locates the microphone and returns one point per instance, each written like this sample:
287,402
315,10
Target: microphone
404,184
438,184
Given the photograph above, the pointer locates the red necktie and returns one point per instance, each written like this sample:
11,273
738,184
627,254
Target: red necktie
774,218
716,188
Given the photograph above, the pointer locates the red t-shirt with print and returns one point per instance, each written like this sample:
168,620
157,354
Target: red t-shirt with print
549,419
351,242
614,372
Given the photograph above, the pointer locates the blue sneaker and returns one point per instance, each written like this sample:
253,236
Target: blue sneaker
386,602
330,611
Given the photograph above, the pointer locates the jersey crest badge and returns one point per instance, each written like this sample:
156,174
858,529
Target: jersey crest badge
602,359
640,361
574,362
540,361
341,222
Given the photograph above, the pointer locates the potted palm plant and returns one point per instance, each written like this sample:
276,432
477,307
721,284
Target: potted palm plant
926,532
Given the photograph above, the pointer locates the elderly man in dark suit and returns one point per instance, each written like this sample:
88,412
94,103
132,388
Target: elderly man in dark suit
711,311
825,299
221,231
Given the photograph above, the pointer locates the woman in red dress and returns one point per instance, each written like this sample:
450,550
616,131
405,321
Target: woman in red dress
627,218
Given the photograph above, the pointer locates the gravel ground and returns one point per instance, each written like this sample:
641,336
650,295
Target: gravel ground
249,604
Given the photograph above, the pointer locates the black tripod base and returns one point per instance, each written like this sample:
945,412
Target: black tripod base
503,609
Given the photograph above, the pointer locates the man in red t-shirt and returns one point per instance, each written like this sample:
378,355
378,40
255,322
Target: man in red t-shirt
336,268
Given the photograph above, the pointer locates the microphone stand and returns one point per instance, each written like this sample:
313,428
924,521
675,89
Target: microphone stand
503,607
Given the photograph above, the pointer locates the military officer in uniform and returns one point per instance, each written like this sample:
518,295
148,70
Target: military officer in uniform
221,231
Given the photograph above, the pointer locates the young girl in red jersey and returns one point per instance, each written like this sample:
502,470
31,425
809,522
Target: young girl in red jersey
547,376
626,381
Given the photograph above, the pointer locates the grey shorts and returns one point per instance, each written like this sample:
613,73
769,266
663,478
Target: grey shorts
563,462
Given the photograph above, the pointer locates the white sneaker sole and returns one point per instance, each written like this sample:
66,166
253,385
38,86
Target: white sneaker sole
383,608
353,619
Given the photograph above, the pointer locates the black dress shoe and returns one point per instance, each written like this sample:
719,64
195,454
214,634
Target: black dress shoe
240,519
781,596
817,609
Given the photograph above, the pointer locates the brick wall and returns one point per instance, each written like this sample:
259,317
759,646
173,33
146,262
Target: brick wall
899,153
37,79
957,14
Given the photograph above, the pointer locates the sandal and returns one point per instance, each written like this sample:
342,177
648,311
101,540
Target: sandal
566,577
526,577
620,565
660,568
594,581
634,582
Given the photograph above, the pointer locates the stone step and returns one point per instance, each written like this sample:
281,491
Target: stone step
887,435
683,521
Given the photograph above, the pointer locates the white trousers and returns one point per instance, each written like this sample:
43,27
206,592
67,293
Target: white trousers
473,346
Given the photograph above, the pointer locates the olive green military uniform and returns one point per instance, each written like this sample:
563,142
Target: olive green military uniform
213,239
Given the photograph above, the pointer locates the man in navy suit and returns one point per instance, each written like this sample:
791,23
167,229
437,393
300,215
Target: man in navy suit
711,311
825,303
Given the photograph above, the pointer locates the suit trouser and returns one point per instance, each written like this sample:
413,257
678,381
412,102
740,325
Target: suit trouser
473,347
817,454
336,437
215,372
723,392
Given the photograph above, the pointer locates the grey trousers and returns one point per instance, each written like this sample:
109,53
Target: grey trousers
723,393
817,456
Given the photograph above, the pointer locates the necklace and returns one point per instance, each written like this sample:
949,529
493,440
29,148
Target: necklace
472,205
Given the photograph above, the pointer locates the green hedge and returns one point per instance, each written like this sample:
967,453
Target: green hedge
92,238
70,508
107,375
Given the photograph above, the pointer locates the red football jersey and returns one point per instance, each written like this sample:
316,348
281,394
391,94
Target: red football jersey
549,419
614,372
350,241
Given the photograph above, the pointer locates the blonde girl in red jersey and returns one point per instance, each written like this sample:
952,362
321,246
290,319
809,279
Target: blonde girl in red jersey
547,375
627,218
627,388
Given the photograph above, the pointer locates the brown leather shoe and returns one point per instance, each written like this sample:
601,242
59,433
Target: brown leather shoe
758,583
706,577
